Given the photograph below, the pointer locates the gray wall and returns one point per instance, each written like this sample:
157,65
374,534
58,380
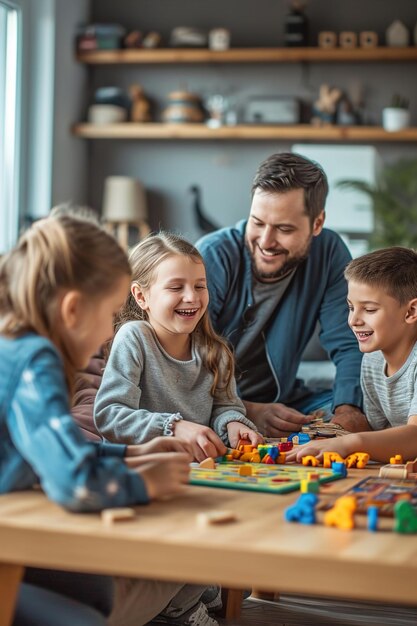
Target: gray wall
70,182
224,170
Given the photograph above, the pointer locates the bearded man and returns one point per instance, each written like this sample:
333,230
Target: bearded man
272,278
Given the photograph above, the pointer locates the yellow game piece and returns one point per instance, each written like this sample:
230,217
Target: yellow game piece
255,458
331,457
208,463
245,470
280,460
358,459
310,460
341,515
396,460
309,486
112,516
209,518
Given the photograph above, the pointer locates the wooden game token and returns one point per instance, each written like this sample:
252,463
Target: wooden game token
209,518
112,516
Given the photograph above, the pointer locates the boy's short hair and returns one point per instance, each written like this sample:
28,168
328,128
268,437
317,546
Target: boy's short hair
392,269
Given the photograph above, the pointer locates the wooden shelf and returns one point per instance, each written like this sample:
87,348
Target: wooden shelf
300,132
248,55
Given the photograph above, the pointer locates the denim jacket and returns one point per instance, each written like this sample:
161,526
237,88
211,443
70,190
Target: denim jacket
317,293
40,442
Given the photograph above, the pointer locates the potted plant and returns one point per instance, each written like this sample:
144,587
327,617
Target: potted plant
394,199
396,116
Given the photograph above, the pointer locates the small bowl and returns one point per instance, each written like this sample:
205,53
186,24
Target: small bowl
106,114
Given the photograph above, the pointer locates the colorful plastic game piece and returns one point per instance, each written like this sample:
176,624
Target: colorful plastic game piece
309,486
285,446
405,518
340,468
397,459
304,509
310,460
357,459
331,457
245,470
342,514
372,517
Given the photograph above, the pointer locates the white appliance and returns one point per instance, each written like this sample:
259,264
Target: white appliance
347,211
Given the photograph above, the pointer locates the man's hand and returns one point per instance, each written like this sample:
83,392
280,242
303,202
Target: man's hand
237,431
350,418
203,440
275,419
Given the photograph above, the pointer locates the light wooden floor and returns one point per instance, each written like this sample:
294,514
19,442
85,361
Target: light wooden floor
292,611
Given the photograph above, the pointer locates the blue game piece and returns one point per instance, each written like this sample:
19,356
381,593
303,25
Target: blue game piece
304,509
372,514
273,452
339,468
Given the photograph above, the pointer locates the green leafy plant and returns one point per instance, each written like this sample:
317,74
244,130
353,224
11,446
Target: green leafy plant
399,102
394,199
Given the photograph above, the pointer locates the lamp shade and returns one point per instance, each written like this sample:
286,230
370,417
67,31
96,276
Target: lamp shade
124,200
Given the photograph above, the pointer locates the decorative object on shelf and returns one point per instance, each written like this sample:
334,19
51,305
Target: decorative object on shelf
348,39
324,109
394,199
272,110
397,115
183,107
296,25
345,114
101,114
186,36
151,40
327,39
100,37
112,95
216,106
133,39
140,110
397,35
368,39
124,206
219,39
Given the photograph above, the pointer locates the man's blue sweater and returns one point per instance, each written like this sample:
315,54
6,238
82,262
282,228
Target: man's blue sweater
316,293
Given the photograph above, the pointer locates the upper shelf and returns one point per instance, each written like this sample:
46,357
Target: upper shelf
247,55
305,132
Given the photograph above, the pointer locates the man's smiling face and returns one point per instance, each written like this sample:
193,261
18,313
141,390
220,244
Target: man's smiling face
279,232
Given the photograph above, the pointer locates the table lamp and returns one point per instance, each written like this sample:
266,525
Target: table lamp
124,205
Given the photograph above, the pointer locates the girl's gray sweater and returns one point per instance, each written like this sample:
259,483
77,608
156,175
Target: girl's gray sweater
143,387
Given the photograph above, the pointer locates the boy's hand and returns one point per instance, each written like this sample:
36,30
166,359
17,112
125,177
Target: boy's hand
203,440
165,474
275,419
237,431
344,445
159,444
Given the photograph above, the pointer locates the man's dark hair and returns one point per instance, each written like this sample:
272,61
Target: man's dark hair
286,171
394,270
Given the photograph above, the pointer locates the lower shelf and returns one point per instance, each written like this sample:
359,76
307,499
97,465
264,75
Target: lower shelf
304,132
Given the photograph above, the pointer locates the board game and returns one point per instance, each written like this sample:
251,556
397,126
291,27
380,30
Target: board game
383,492
264,479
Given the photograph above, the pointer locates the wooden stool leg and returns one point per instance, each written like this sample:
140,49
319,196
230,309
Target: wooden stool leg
232,603
265,595
10,577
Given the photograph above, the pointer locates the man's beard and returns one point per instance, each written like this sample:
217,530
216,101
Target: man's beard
287,267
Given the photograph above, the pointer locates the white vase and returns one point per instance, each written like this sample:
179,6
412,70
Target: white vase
394,118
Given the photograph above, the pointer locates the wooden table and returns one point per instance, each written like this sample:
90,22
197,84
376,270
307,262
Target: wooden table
261,550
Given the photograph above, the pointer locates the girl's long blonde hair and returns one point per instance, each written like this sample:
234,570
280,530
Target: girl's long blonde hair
144,259
59,252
